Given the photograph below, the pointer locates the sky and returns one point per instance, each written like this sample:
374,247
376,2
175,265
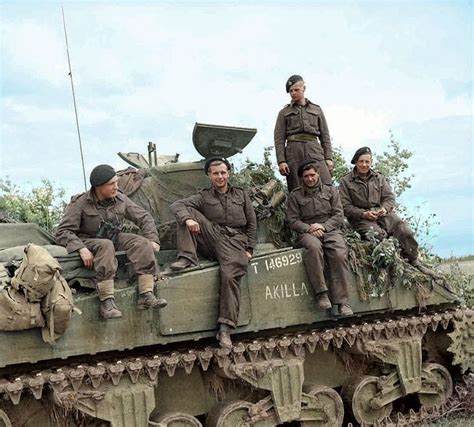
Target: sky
147,71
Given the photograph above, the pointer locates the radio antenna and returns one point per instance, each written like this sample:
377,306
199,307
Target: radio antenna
74,100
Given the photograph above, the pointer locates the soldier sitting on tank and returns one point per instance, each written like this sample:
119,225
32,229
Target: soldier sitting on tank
314,211
92,225
369,204
220,223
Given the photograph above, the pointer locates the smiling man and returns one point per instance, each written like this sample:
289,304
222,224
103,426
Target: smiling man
92,225
314,211
369,204
299,126
220,223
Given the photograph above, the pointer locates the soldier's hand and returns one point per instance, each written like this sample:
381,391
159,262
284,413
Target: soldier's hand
156,246
319,233
315,227
193,226
249,255
284,168
381,213
370,215
87,257
330,165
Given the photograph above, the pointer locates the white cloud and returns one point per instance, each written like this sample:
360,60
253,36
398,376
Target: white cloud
34,50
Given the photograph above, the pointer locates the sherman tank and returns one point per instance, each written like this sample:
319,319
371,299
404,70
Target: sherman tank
404,357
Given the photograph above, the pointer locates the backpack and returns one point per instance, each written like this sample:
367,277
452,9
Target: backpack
35,275
16,313
57,308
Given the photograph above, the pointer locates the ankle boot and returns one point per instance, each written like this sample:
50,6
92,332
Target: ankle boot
180,264
322,301
148,300
109,310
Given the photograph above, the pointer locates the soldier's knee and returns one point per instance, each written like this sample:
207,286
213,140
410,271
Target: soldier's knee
313,250
340,256
105,246
140,242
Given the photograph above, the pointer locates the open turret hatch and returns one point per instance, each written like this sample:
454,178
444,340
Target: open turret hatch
221,141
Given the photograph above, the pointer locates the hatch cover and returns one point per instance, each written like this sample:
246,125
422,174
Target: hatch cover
221,141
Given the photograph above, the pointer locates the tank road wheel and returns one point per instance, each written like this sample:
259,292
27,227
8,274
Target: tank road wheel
363,405
437,381
330,402
4,420
229,414
175,419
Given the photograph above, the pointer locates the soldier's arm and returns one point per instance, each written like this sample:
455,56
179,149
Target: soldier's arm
251,223
387,200
180,207
324,137
143,219
337,215
280,138
350,211
66,233
293,216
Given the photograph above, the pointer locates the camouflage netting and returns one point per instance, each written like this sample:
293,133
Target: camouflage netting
156,190
378,267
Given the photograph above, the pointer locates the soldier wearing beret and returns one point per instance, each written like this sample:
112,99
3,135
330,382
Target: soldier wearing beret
92,225
369,204
220,223
299,126
314,211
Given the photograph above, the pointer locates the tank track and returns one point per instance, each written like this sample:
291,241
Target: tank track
68,380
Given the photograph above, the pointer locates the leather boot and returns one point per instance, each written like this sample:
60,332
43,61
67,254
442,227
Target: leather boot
148,300
322,301
345,310
180,264
223,336
109,310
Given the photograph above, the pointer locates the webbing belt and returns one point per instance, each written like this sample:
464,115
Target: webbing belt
302,137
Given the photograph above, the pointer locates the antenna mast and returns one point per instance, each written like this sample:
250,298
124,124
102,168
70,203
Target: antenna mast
74,100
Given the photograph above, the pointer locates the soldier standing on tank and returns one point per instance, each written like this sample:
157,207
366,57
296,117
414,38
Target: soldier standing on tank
314,211
369,204
298,127
220,223
92,225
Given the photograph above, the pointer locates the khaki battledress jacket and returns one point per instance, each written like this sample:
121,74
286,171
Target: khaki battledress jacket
82,220
85,214
297,130
228,227
321,205
233,211
359,195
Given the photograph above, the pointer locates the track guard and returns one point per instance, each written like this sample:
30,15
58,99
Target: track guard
283,378
124,405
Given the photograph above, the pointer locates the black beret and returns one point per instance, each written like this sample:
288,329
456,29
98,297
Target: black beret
306,163
292,80
101,174
359,152
216,159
